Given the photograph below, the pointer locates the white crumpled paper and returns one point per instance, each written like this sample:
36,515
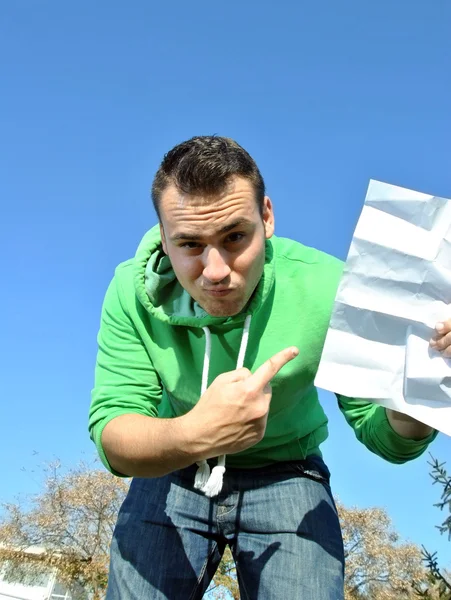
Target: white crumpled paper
395,287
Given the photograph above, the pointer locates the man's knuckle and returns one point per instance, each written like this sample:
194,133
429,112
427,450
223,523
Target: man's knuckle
244,371
273,362
260,413
273,366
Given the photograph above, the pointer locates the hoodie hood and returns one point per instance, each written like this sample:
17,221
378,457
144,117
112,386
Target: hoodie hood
161,294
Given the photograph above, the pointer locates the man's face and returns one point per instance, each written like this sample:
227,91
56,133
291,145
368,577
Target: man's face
217,248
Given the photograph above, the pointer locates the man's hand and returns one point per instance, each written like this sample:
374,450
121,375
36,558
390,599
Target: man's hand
441,340
405,425
230,417
232,414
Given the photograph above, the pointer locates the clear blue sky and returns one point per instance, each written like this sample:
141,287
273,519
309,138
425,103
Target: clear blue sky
325,95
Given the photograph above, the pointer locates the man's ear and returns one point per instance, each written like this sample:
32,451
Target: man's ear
268,217
163,239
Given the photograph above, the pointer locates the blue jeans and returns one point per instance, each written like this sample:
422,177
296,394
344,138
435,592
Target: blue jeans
280,522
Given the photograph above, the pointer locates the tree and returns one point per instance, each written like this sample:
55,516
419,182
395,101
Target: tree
72,519
225,584
378,565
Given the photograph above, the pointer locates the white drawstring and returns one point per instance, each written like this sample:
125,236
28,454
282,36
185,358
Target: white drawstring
206,368
203,472
211,485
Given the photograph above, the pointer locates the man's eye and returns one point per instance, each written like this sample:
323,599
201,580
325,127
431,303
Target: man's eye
235,237
190,245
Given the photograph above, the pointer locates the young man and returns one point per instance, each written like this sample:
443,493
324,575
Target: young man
209,343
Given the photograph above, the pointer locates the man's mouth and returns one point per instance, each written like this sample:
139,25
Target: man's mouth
218,292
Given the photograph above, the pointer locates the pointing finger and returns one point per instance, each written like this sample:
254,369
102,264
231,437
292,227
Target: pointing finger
272,366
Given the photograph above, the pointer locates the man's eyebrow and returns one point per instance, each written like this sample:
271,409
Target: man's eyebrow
196,237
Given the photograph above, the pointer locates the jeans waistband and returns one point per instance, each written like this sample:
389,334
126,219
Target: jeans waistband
309,466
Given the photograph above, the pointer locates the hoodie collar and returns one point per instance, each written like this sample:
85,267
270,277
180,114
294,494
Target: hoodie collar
164,298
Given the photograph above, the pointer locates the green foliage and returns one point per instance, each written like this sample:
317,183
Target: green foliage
440,476
439,582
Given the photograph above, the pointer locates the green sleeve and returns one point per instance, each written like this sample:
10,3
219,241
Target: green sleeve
372,428
125,380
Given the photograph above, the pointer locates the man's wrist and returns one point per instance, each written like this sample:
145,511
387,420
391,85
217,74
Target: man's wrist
406,426
189,435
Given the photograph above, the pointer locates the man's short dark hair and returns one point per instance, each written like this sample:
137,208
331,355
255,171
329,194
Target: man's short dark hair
203,166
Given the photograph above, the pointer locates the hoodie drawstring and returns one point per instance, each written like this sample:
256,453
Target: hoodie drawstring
203,472
211,484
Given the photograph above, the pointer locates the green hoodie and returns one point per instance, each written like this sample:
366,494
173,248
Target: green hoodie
152,345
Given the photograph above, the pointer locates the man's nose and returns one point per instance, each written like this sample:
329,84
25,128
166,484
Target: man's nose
215,266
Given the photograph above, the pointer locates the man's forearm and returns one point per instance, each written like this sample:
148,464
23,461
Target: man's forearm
140,446
406,426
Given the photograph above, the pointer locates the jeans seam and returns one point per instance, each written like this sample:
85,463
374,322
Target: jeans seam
202,572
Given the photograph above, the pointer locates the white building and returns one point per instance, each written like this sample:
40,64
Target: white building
34,583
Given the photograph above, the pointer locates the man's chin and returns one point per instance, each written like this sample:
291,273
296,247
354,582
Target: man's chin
222,309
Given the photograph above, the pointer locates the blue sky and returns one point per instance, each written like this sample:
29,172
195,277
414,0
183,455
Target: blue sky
325,95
